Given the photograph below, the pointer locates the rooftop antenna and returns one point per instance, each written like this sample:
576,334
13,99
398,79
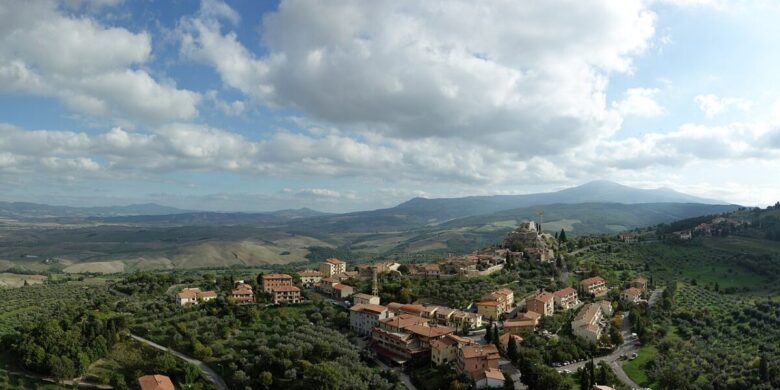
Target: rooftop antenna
374,283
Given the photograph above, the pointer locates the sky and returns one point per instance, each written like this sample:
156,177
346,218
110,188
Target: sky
351,105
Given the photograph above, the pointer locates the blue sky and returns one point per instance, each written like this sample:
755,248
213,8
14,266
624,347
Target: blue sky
340,106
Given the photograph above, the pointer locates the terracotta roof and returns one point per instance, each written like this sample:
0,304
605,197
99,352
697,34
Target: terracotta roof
394,306
504,339
402,321
472,351
334,261
276,276
242,291
531,315
155,382
494,373
339,286
364,296
543,296
564,292
412,308
521,323
487,303
593,280
207,294
429,331
633,291
309,273
588,312
188,295
361,307
286,289
504,291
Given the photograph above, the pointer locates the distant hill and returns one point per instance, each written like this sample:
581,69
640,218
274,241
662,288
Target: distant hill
36,210
592,192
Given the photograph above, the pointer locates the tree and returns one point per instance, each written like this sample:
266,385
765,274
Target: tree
562,236
592,371
602,374
511,349
763,369
584,380
266,379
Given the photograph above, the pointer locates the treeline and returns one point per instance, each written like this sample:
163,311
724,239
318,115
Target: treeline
145,283
65,346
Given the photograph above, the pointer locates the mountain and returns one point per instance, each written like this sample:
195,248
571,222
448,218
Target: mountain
36,210
601,191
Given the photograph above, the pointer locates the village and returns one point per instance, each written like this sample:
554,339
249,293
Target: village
479,340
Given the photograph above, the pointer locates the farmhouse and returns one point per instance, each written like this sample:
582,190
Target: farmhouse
365,316
193,296
271,281
542,303
629,237
631,295
596,286
242,293
566,298
332,266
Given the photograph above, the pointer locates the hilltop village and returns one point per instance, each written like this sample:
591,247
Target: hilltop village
479,340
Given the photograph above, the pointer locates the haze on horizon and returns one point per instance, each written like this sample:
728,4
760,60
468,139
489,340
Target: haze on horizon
354,105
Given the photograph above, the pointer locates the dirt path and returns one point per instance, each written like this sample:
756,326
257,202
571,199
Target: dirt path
210,374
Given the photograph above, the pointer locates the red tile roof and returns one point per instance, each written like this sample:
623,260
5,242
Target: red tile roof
155,382
593,280
564,292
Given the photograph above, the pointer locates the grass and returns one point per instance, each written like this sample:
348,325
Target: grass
635,368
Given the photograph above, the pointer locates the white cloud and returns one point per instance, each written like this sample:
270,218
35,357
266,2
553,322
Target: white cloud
639,102
479,74
712,105
90,67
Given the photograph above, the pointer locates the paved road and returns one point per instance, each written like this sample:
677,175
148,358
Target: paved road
210,374
613,359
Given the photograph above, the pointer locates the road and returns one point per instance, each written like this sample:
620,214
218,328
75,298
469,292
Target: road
613,359
210,374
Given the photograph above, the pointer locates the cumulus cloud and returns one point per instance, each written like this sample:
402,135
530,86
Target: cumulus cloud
639,102
712,105
90,67
418,70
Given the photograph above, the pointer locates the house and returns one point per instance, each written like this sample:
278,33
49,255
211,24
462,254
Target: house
445,349
683,235
504,341
342,290
188,296
366,271
566,298
286,294
493,305
629,237
405,337
489,309
443,315
155,382
526,322
429,269
542,303
631,295
491,378
193,296
474,360
310,278
589,322
332,266
365,299
363,317
462,319
639,282
242,293
596,286
271,281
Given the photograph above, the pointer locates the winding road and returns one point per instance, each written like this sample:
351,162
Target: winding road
210,374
